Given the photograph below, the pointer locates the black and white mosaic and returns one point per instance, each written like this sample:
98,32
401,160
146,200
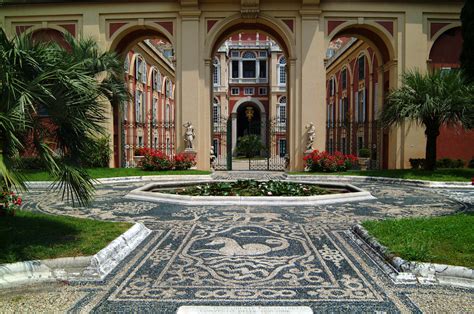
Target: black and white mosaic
271,255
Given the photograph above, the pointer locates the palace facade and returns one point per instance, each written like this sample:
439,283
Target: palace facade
394,36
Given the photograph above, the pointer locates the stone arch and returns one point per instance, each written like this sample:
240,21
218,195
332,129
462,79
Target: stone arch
264,23
370,32
440,32
257,102
130,34
446,47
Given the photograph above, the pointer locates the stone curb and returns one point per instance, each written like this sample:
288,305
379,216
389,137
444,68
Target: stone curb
82,268
143,194
134,179
425,273
406,182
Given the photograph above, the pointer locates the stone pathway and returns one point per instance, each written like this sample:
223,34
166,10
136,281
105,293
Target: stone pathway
286,256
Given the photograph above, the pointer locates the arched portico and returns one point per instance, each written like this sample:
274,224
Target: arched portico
263,118
303,28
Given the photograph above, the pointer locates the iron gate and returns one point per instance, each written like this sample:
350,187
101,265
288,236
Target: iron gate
273,157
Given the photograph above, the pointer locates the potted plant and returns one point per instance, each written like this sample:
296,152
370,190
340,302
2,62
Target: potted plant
364,156
9,203
138,155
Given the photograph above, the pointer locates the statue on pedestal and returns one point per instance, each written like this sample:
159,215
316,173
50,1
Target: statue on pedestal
189,136
311,130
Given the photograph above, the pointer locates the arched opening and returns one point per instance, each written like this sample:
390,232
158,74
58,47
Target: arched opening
453,141
148,119
250,75
359,73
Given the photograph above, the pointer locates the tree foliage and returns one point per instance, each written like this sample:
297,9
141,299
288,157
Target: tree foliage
467,54
73,85
432,100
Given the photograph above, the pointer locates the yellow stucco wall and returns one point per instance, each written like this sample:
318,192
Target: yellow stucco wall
197,25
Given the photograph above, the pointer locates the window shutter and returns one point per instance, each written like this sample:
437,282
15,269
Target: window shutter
356,106
137,64
137,107
364,92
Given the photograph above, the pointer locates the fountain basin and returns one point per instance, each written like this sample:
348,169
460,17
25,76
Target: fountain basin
154,192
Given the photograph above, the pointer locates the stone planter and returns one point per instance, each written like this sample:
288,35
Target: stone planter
363,163
137,160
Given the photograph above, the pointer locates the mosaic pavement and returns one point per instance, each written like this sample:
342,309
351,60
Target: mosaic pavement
211,255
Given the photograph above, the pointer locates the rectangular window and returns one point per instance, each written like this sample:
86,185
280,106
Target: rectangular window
215,114
282,147
155,143
140,141
263,54
282,114
215,76
249,91
344,79
262,91
263,69
248,68
235,69
344,148
361,106
282,75
235,54
331,148
235,91
361,63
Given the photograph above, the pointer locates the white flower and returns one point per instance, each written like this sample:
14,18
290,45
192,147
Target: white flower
269,193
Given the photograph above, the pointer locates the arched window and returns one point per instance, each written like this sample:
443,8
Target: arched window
249,62
126,64
139,105
281,110
361,65
216,111
249,55
217,72
168,90
281,71
156,80
154,110
140,69
332,86
167,113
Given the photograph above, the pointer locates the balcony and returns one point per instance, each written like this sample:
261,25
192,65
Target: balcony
248,80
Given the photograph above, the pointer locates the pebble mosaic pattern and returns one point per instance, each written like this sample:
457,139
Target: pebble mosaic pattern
232,255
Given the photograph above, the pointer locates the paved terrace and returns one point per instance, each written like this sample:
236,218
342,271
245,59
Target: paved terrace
289,256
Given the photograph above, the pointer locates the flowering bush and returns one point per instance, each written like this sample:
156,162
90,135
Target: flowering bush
184,161
325,162
9,203
155,160
142,151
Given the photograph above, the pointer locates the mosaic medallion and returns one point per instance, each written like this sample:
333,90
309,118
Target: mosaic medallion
241,262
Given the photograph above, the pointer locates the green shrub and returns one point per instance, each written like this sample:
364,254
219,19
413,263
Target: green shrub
97,155
417,163
249,145
450,163
364,153
29,163
471,163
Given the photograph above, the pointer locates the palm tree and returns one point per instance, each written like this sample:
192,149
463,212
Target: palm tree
73,85
432,100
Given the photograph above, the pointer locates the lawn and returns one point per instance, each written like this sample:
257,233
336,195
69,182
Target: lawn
30,236
461,174
444,240
97,173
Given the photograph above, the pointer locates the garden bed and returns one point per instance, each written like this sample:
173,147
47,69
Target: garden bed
443,240
252,188
297,193
32,236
